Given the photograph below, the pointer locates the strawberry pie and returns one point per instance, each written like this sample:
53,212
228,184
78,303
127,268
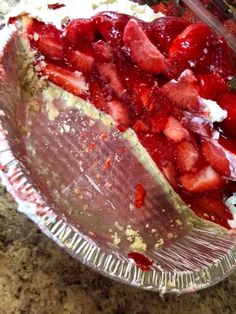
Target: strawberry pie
163,76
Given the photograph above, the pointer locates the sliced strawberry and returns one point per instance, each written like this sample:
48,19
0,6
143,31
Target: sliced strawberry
159,121
219,59
175,131
164,30
109,73
170,173
70,81
79,30
211,85
151,97
142,51
119,113
145,94
202,51
187,155
98,95
140,194
216,157
205,180
207,206
140,126
103,51
110,25
227,101
47,40
79,60
159,147
187,48
184,91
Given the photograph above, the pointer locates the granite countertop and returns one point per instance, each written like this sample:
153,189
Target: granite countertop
38,277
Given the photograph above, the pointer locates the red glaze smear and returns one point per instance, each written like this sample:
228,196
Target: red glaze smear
135,86
141,261
55,6
14,19
140,194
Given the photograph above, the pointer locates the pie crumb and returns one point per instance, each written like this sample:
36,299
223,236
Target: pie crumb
170,236
138,244
129,232
116,239
118,226
179,222
158,244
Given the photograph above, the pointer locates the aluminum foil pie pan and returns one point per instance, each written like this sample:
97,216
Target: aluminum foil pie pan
74,175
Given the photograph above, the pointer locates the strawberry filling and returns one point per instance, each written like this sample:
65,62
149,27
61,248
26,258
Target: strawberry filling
164,79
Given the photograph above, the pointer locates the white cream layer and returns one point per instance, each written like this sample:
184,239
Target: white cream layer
81,9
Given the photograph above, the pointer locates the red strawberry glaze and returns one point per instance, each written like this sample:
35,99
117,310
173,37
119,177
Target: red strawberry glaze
150,76
141,261
55,6
140,194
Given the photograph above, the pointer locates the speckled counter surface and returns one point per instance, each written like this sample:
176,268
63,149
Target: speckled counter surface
38,277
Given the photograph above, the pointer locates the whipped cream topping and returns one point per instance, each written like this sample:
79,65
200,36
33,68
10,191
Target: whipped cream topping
214,111
81,9
210,108
231,204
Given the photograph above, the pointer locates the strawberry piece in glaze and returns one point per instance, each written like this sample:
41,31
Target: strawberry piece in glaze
212,85
80,61
109,74
79,30
216,157
70,81
205,180
213,209
110,26
142,51
164,30
174,130
103,51
47,40
187,155
199,49
183,92
119,113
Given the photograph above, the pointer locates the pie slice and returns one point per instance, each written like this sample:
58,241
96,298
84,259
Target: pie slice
164,77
